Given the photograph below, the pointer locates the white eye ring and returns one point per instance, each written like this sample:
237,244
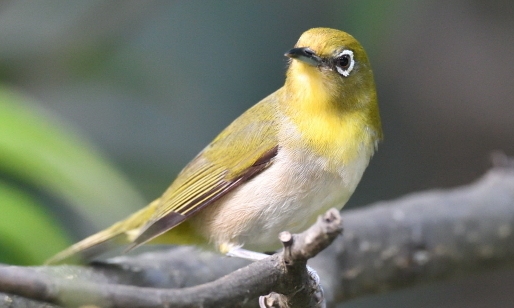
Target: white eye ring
348,67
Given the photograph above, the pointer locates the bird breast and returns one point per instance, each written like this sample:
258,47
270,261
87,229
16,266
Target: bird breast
289,195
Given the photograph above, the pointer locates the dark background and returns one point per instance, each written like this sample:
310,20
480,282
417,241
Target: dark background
152,82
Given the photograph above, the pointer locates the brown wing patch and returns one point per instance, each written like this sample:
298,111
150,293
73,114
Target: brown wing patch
191,199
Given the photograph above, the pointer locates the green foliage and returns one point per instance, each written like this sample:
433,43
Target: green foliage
40,152
28,234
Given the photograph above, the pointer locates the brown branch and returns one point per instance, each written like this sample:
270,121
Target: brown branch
304,292
271,274
420,238
423,237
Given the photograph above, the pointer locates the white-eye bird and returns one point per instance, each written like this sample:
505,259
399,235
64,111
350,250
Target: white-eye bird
292,156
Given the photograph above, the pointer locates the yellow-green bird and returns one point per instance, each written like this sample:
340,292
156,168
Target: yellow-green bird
292,156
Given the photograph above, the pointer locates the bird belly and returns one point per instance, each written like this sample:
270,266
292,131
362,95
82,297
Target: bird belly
289,195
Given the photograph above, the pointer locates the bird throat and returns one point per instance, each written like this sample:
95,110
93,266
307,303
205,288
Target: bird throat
321,120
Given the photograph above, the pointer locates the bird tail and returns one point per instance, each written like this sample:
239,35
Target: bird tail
121,232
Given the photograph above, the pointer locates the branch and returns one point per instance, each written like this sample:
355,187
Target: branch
423,237
420,238
283,272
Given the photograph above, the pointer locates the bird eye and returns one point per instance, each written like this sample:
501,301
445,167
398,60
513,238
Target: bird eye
344,62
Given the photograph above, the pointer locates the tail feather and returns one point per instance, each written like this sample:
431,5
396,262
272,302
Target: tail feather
87,249
120,233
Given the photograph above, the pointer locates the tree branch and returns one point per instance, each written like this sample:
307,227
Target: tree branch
420,238
423,237
283,272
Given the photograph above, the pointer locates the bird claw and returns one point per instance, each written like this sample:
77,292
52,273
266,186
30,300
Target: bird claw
316,286
313,275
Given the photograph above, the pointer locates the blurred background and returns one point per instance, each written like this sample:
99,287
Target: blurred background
103,102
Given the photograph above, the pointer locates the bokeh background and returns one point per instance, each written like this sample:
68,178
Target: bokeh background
113,98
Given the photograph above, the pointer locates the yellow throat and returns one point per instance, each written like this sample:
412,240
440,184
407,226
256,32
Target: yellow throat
336,115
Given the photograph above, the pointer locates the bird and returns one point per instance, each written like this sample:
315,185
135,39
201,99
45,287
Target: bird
298,152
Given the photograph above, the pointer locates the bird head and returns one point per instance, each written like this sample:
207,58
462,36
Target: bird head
331,65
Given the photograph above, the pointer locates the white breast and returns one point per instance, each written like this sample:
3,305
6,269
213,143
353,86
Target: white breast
289,195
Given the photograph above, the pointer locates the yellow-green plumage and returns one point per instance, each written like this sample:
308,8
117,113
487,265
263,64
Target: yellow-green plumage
290,157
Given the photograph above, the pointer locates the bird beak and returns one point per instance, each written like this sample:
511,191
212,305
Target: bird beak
305,55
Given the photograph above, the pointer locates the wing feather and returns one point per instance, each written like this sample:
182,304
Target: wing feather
210,175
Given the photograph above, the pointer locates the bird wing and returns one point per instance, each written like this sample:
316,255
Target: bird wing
244,149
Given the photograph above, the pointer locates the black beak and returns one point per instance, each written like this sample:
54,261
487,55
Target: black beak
305,55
